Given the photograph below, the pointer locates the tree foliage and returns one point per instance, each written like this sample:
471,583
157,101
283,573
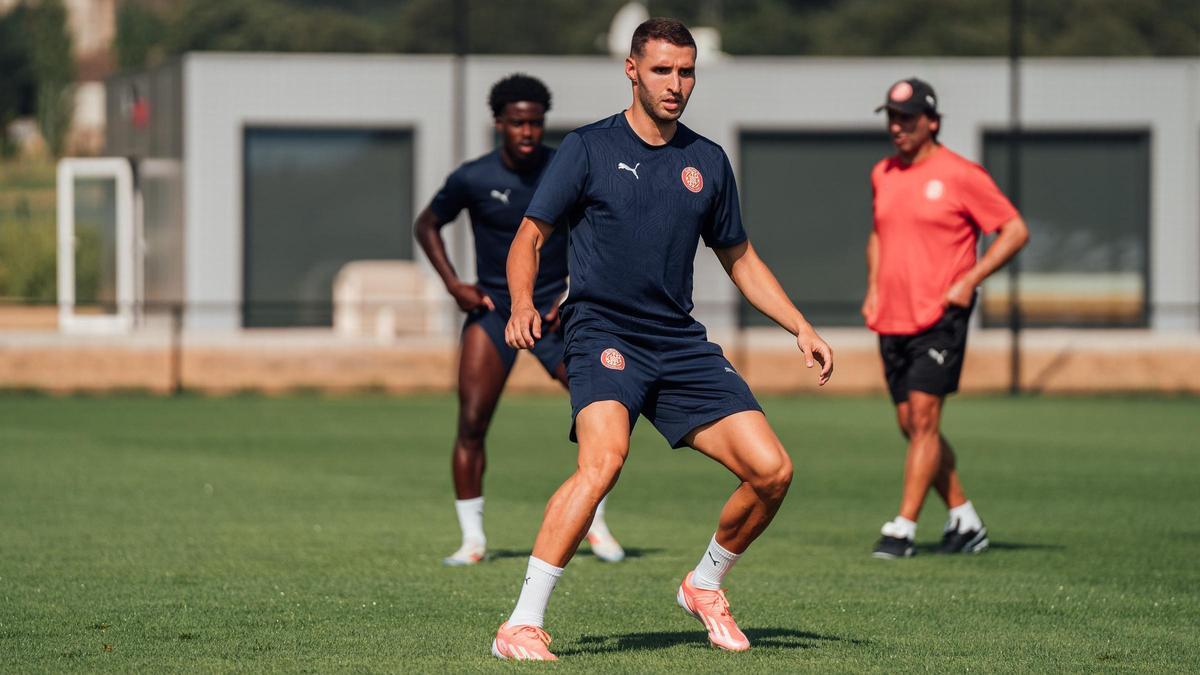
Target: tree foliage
37,68
17,84
775,27
139,36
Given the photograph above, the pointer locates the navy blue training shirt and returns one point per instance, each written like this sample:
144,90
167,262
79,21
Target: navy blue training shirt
497,197
636,214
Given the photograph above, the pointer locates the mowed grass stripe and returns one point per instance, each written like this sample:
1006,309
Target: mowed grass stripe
304,534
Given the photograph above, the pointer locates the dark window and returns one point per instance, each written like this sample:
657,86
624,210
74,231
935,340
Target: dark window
1086,199
316,199
96,243
806,201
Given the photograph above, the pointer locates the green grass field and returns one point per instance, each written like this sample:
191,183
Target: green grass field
304,534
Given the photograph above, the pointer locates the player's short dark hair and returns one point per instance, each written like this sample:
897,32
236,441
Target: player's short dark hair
518,87
660,28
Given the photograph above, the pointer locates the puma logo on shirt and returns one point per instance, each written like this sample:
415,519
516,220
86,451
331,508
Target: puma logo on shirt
622,166
501,197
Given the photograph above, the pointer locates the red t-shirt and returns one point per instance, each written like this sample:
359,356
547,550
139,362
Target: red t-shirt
928,217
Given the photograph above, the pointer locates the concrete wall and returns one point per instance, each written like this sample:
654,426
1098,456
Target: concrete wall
223,93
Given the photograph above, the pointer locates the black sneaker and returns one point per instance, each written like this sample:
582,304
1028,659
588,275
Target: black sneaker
971,541
890,548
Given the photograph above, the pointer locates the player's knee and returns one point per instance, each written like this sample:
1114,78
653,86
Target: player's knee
601,472
923,422
472,428
773,481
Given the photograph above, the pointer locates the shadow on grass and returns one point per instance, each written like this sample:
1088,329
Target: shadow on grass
997,546
782,638
583,552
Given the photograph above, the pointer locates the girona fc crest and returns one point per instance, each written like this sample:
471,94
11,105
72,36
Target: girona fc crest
692,179
612,359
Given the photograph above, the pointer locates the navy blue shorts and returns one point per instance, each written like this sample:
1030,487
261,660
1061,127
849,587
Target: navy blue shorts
548,350
679,384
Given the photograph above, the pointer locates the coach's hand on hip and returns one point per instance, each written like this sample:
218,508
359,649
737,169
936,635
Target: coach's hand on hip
524,327
815,350
960,294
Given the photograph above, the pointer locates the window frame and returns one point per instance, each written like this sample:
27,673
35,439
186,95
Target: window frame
250,126
1141,134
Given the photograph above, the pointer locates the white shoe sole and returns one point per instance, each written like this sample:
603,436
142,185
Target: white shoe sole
608,555
888,556
977,545
496,652
452,561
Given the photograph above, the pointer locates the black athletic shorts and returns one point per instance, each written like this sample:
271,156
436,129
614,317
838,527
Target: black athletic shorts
930,361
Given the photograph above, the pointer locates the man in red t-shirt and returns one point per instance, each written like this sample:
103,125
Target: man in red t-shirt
930,206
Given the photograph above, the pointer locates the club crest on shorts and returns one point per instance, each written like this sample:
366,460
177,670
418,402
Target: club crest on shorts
692,180
934,190
612,359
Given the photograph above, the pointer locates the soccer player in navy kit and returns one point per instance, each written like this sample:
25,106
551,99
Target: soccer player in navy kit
638,190
496,189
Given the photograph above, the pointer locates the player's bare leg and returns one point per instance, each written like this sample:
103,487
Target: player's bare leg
603,432
946,482
481,378
745,444
930,462
604,545
924,459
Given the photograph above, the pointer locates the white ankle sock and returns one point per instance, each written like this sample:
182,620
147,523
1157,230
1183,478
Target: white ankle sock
540,578
470,519
599,526
965,517
713,566
900,528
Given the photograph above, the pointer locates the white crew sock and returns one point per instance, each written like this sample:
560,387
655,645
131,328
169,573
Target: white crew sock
713,566
900,528
965,518
540,578
599,526
470,519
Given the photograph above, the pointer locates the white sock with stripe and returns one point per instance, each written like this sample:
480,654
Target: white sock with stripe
713,566
900,528
470,520
540,578
965,517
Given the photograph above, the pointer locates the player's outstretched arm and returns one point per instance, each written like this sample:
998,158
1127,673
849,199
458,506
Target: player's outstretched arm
525,325
428,231
1012,238
756,281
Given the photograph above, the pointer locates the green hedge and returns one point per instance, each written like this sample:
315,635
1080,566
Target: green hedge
28,238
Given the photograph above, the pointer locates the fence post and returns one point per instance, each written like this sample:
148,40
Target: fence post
176,355
1014,190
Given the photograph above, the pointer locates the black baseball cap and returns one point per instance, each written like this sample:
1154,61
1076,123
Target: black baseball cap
911,97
